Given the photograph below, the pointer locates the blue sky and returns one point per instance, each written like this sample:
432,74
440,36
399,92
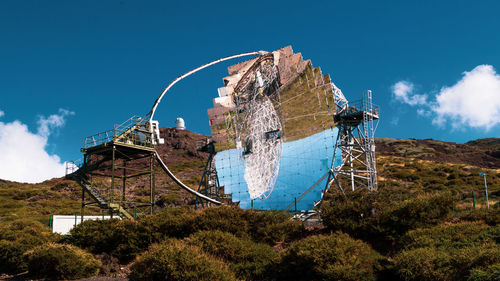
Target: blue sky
70,69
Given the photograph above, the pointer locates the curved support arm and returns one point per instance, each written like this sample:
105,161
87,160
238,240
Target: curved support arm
151,114
157,102
181,184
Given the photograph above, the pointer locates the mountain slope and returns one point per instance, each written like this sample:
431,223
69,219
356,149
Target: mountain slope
483,153
413,166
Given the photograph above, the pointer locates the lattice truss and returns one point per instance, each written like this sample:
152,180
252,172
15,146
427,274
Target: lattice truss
259,126
357,123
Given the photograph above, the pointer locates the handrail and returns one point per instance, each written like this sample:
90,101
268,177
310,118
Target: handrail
127,128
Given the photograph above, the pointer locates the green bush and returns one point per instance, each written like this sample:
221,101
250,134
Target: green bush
31,230
168,199
330,257
265,226
123,239
423,264
420,211
262,226
490,273
445,263
11,256
174,260
96,236
491,216
383,216
459,251
16,238
59,261
348,213
451,236
249,260
227,219
274,226
171,222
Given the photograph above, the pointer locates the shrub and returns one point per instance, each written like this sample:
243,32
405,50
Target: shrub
30,230
16,238
168,199
135,238
330,257
449,252
491,216
123,239
174,260
171,222
490,273
11,256
420,211
262,226
451,236
347,213
96,236
380,216
249,260
423,264
59,261
274,226
224,218
445,263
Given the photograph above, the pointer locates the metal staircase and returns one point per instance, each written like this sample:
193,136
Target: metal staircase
93,192
117,155
209,183
80,178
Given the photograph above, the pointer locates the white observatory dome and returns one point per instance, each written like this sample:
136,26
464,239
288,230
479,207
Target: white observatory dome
179,124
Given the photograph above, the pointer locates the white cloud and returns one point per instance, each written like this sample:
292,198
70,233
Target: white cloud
54,121
423,112
2,113
23,155
403,91
473,101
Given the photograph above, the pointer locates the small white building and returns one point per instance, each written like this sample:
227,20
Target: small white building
179,124
63,224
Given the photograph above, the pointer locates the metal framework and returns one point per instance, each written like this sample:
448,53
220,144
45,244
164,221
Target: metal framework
357,123
122,150
118,152
111,159
258,125
149,117
209,183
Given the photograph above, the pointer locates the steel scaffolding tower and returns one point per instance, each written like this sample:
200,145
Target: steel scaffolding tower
357,123
369,126
110,159
209,183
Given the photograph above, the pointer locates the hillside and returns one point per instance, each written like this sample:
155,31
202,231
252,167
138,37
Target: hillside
484,153
415,164
61,196
427,191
